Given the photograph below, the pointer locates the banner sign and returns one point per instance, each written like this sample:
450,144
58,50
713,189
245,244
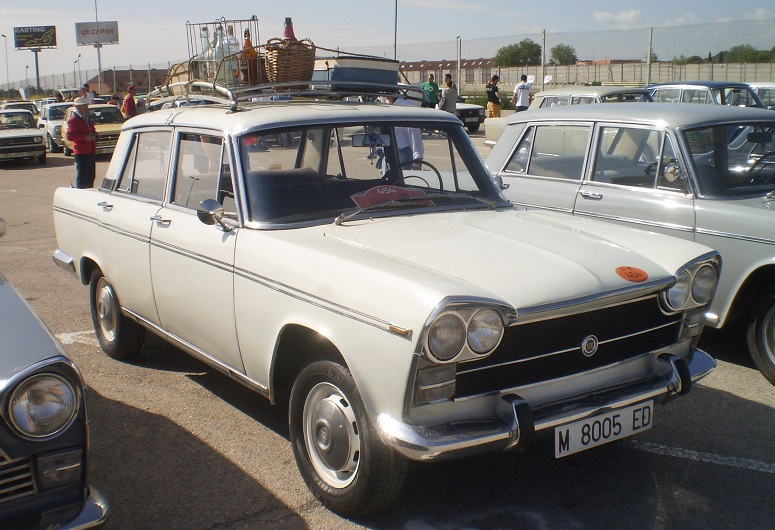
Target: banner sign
103,32
27,37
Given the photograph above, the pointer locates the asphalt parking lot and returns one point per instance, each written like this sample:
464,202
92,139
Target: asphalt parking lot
177,445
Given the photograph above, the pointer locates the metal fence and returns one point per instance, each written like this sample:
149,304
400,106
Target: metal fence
616,56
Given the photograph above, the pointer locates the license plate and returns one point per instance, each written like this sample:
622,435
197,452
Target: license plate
20,155
590,432
471,119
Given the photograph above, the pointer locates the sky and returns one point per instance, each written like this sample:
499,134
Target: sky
155,32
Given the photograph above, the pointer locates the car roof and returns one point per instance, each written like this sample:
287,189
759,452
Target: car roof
709,84
762,84
16,111
591,90
285,113
670,114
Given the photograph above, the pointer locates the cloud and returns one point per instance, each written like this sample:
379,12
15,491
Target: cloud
622,20
761,14
684,19
444,5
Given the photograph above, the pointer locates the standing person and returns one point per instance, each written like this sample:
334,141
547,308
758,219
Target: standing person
521,96
81,131
493,98
86,93
408,140
448,78
431,89
448,101
129,108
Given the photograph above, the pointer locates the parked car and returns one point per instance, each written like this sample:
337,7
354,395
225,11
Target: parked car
766,92
19,136
40,103
20,105
699,172
290,245
706,92
43,426
573,95
50,120
107,120
470,114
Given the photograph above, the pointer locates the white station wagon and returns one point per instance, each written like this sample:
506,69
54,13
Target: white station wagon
355,263
705,173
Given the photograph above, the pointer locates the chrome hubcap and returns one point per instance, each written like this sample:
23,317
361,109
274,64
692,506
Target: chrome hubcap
106,309
331,435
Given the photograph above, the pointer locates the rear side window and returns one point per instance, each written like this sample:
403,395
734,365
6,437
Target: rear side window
145,172
668,95
555,151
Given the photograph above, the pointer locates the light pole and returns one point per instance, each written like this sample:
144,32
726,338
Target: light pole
395,33
78,60
26,75
7,77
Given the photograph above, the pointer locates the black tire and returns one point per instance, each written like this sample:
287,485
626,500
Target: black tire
761,336
341,458
52,145
68,152
473,127
41,158
119,337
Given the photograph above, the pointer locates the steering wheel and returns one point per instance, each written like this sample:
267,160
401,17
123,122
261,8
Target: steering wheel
753,172
390,174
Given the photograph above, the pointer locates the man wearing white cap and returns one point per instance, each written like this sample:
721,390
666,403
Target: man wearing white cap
81,131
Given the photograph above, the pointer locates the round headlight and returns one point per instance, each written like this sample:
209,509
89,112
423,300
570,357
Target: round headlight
679,293
485,331
705,281
38,139
42,405
446,337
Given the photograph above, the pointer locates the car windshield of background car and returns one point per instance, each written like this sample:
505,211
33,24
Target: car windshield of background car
16,120
734,159
317,173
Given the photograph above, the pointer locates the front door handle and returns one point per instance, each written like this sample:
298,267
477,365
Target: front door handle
105,205
591,196
158,219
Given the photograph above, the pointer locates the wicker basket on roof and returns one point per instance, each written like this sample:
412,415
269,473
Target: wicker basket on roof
289,60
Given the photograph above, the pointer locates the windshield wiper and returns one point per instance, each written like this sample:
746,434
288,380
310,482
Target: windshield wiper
412,202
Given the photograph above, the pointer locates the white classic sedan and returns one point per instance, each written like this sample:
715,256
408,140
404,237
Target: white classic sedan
355,263
705,173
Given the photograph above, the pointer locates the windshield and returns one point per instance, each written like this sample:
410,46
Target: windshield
56,113
16,120
320,173
734,159
106,115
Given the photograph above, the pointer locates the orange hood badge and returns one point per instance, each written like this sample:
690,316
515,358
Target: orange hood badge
632,274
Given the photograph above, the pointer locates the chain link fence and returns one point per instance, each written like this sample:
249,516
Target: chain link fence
627,57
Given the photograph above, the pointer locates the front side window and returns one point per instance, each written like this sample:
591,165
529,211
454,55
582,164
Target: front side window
696,95
733,159
317,173
668,95
145,171
555,101
555,151
202,172
638,157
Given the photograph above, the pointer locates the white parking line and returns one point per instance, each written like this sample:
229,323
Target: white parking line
80,337
709,458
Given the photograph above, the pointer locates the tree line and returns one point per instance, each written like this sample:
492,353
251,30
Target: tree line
528,53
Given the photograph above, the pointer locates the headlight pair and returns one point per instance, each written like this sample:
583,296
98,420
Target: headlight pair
695,286
460,333
42,405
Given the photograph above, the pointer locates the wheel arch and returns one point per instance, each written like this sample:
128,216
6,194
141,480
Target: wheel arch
88,266
296,347
758,284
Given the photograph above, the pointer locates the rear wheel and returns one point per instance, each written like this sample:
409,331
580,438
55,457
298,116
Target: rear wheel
119,337
339,453
761,336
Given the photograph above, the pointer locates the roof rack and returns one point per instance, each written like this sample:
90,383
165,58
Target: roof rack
315,90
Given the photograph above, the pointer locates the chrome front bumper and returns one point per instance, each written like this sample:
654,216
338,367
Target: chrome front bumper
521,423
93,513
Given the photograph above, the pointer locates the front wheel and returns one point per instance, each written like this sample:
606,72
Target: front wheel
473,127
119,337
337,450
67,151
41,158
761,337
52,145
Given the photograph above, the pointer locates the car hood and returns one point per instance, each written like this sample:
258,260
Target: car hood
514,255
15,133
24,339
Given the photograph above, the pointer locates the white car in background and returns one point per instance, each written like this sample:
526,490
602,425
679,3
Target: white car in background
766,92
50,120
20,137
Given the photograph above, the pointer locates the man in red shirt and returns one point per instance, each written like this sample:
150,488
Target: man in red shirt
129,108
81,131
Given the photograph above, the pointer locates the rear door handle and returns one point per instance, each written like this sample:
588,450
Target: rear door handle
591,196
105,205
158,219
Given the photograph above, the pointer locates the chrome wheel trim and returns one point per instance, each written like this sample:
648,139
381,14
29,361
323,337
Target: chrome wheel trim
331,435
106,307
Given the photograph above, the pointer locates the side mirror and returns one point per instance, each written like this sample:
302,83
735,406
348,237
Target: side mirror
499,182
210,212
672,172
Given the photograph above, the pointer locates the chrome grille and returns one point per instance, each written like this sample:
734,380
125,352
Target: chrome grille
16,479
20,140
549,349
